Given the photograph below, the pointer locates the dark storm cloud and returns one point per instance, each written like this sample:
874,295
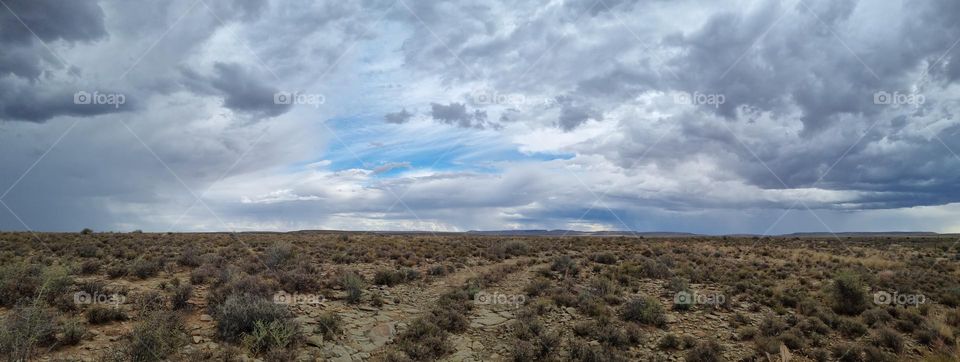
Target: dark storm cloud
574,113
245,92
25,25
398,117
457,114
28,30
51,20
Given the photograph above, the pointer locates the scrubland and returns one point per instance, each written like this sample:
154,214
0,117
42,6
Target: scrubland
352,296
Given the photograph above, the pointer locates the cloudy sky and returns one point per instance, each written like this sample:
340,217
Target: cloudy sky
740,116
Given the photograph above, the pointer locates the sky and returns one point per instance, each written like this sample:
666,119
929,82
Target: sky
715,117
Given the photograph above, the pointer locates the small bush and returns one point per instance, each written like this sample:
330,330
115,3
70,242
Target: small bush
24,330
604,258
353,283
329,324
72,331
202,274
771,326
155,337
876,315
143,268
645,310
277,335
848,352
850,327
889,339
506,249
537,287
669,341
848,294
584,352
389,277
533,339
239,314
449,319
424,341
565,266
180,296
189,257
277,255
117,270
100,314
705,351
439,270
230,283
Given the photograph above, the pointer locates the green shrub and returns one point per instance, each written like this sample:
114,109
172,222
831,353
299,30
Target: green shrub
100,314
272,336
155,337
506,249
180,296
389,277
24,330
73,331
424,341
848,352
771,326
645,310
239,314
584,352
534,339
353,283
143,268
189,257
876,315
277,255
848,294
565,266
850,327
230,283
669,341
705,351
537,287
329,324
604,258
22,283
889,339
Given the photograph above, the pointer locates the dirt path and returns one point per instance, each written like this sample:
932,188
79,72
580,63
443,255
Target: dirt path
368,329
488,337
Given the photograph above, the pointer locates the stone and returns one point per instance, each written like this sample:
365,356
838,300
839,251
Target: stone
206,318
489,319
315,340
341,353
197,339
381,333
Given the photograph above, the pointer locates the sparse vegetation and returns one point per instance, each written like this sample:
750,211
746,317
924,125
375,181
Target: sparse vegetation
582,299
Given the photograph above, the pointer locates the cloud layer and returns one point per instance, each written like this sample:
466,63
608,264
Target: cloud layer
780,116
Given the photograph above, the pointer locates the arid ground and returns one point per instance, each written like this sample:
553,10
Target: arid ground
314,296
